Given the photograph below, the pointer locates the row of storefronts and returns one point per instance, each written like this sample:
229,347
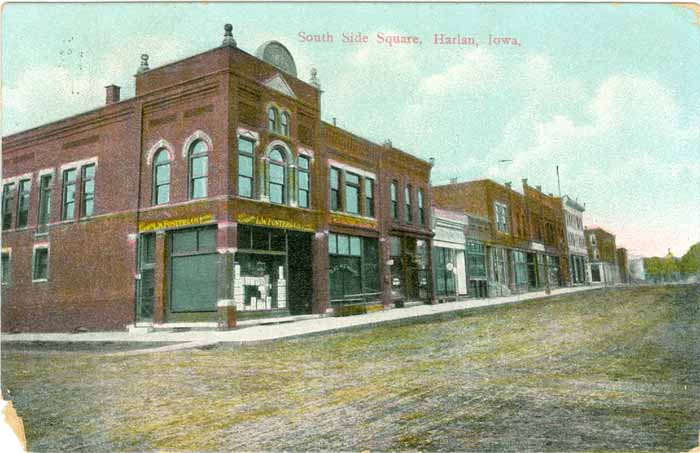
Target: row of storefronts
218,184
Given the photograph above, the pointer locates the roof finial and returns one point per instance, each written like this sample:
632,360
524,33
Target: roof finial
144,64
314,79
228,37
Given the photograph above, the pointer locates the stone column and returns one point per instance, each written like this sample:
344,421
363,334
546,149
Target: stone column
292,185
160,284
263,171
385,271
226,241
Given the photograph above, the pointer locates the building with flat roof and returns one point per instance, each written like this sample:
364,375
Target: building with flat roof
216,184
575,241
524,248
602,256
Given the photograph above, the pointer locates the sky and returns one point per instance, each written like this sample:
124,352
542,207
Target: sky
609,93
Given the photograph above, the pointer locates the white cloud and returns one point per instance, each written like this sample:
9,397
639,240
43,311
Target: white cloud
48,93
475,71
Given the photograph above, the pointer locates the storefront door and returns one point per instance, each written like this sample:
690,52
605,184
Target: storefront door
145,287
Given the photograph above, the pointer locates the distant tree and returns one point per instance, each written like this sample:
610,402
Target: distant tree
690,262
653,267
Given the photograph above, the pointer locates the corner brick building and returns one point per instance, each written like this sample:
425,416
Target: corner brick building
526,249
217,183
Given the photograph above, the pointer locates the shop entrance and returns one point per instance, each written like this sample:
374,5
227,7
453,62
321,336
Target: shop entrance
410,273
145,286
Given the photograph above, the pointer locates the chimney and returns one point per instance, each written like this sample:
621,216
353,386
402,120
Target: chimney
334,122
387,143
509,185
432,161
539,188
524,182
112,94
453,180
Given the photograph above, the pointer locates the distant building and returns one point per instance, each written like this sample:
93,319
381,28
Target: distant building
635,265
602,256
575,241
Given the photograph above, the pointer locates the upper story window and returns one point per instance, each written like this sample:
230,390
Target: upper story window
68,196
369,197
394,200
335,189
246,149
5,268
23,191
272,119
303,196
284,123
198,169
501,211
88,183
352,193
408,200
40,265
278,177
421,207
8,194
44,201
161,177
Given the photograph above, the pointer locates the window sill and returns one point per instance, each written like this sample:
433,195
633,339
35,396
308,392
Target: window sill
350,214
258,200
41,280
278,134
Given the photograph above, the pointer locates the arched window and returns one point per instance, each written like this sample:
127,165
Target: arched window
278,177
272,117
198,169
285,123
161,177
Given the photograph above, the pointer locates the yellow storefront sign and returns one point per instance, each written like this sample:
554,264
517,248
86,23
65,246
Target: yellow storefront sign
347,220
274,223
151,225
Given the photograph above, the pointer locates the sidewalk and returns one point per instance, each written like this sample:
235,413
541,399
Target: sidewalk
259,333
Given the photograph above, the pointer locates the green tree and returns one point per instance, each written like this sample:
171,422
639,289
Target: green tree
690,262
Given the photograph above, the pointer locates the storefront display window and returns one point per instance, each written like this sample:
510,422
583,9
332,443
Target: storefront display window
354,266
520,268
193,273
553,266
260,281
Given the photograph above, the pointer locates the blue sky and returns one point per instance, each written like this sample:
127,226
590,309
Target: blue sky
610,93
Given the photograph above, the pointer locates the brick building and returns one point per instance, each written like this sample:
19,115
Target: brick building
575,241
623,265
217,183
524,250
602,256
